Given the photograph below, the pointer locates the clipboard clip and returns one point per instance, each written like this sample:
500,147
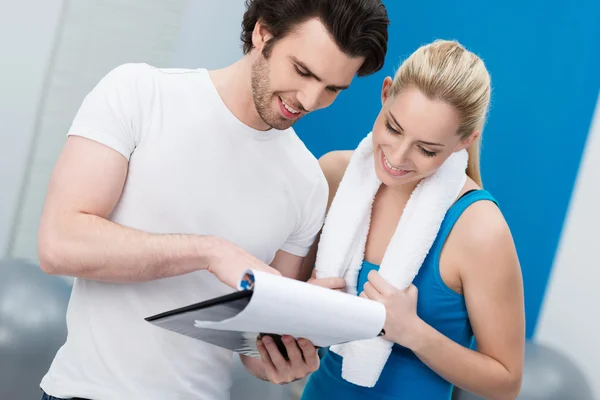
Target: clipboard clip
247,281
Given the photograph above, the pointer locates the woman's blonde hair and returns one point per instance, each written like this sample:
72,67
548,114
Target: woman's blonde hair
445,70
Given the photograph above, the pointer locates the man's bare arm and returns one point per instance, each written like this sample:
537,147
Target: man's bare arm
77,239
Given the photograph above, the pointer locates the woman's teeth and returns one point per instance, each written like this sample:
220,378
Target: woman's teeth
390,166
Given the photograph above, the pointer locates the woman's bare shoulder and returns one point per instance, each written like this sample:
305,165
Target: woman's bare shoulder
334,166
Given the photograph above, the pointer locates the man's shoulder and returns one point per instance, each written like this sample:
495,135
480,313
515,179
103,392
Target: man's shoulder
143,73
129,72
303,158
126,82
134,68
302,168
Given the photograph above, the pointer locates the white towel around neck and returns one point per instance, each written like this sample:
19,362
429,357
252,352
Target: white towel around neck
344,236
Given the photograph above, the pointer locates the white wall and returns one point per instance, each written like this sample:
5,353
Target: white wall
27,33
570,319
209,36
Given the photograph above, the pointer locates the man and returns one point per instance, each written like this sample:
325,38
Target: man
171,182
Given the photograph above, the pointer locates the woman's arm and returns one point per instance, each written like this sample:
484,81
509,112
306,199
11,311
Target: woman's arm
493,290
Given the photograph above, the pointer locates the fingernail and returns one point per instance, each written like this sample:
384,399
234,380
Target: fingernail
267,340
287,339
302,342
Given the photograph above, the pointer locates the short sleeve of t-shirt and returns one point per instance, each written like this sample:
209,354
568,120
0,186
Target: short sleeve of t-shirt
313,216
112,113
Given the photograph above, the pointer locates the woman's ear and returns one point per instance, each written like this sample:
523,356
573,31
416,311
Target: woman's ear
465,143
386,89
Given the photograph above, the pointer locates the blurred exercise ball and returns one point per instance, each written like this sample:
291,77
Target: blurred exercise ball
33,306
548,375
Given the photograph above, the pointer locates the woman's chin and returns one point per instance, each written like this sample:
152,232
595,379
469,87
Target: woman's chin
396,181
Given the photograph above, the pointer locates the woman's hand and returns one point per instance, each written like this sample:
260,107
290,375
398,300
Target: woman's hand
402,322
334,283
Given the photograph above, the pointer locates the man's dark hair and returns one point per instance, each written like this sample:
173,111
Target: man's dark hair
359,27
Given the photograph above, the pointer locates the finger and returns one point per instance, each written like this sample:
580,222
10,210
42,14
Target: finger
313,275
380,284
294,352
266,359
330,283
311,356
372,292
280,363
363,295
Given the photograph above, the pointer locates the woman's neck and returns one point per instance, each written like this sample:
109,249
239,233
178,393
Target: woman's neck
400,192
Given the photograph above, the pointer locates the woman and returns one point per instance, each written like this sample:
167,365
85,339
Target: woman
469,284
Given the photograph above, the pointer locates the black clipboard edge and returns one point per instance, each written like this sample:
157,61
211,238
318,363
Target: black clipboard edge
203,304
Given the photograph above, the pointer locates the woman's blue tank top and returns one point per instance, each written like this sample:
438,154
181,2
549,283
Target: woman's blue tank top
404,375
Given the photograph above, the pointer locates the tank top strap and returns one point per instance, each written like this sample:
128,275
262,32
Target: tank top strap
454,213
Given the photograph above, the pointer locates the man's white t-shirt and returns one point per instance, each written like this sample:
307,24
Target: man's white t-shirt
194,168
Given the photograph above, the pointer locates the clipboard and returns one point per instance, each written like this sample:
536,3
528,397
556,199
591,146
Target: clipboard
268,304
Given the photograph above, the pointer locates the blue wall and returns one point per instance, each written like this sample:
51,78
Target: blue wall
545,65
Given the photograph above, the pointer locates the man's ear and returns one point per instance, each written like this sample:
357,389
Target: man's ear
260,35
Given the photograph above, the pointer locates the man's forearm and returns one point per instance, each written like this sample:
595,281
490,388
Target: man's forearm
88,246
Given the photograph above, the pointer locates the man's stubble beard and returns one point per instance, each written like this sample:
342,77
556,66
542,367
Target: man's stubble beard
262,95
